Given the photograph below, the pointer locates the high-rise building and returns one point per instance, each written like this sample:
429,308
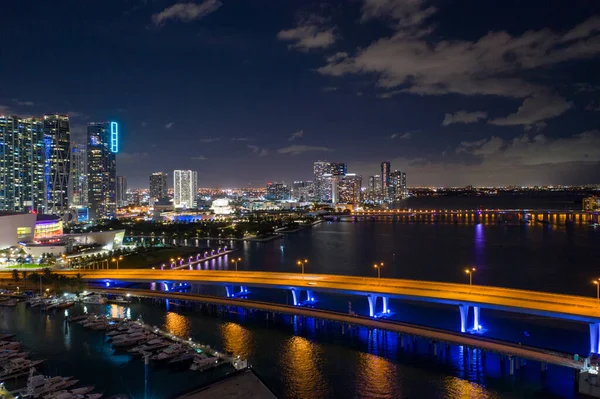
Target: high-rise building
302,190
398,184
78,182
102,147
349,189
158,185
277,192
22,173
185,188
57,139
385,179
323,180
121,191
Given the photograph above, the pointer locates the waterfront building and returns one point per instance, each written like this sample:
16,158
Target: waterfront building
158,185
185,189
22,173
121,191
102,147
385,180
78,182
591,204
57,139
277,192
349,189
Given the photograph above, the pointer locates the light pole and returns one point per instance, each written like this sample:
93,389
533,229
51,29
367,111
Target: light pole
302,263
470,273
234,260
597,282
117,260
378,267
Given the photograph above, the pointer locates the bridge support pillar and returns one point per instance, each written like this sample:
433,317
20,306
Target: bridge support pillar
294,297
385,304
594,333
229,290
464,313
511,361
372,302
476,318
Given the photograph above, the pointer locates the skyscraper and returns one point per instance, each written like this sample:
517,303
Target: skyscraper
102,146
323,181
302,190
22,154
57,138
277,192
385,179
398,184
349,189
185,188
78,182
158,185
121,191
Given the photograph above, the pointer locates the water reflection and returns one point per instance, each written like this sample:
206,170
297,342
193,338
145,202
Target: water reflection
118,312
457,388
300,364
237,340
377,377
178,324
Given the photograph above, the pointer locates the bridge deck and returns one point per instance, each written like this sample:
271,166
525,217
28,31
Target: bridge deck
584,309
438,335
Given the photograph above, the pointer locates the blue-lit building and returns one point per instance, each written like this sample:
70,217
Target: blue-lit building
57,140
102,148
22,172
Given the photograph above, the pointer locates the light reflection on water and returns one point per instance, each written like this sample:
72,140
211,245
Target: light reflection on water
377,377
237,340
462,389
300,365
177,324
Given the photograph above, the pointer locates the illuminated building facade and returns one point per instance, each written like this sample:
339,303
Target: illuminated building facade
47,227
57,137
78,183
277,192
385,180
591,204
323,181
22,154
349,189
158,185
398,184
121,191
302,191
102,145
185,188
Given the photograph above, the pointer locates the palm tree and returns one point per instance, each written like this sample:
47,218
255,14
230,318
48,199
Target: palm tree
15,275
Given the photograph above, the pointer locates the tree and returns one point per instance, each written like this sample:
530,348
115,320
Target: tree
24,273
47,274
15,275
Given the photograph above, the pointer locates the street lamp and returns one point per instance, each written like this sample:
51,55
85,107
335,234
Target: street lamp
470,273
378,267
234,260
117,260
597,282
302,263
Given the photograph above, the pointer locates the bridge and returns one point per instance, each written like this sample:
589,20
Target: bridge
436,336
378,291
549,216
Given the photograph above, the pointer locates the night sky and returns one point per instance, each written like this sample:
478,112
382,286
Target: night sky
245,92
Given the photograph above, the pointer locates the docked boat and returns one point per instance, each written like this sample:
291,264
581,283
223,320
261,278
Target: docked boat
203,362
186,356
170,352
78,318
17,366
132,339
148,347
6,337
9,303
39,385
93,299
118,300
77,392
9,345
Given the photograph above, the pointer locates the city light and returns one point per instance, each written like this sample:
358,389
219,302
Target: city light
470,273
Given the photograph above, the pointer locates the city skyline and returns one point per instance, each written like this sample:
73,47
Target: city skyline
489,101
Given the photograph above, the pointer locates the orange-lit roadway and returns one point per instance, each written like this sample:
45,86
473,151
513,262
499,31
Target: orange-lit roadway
584,309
